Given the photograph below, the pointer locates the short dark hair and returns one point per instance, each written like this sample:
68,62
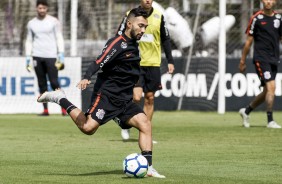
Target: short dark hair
42,2
137,12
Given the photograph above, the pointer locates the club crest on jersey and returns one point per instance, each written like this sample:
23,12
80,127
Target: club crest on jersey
267,75
276,23
123,45
100,113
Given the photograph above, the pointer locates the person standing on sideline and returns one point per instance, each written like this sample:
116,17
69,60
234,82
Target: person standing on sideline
265,31
113,89
150,50
45,47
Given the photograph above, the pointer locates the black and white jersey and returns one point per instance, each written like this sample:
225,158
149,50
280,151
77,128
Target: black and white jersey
267,31
120,66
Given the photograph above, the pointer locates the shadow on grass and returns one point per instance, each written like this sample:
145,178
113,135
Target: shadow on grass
129,140
98,173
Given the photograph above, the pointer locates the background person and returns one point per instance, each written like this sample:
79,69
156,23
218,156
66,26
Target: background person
150,50
44,45
265,31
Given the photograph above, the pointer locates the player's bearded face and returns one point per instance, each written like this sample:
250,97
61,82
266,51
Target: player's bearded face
139,28
42,11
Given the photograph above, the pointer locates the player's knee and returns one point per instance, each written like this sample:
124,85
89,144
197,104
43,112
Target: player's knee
88,131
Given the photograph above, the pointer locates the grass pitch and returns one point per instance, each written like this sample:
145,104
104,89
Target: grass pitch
193,147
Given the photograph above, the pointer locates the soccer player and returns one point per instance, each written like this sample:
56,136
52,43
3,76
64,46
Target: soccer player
113,89
265,31
44,45
150,50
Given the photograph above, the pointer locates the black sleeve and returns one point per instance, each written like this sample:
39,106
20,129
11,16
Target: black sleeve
108,54
165,39
121,27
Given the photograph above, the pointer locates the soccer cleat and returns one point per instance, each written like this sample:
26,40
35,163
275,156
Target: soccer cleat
245,117
44,114
125,134
273,124
153,173
53,96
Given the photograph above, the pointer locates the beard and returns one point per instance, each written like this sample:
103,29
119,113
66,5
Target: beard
135,36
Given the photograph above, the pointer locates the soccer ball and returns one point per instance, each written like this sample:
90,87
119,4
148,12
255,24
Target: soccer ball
135,165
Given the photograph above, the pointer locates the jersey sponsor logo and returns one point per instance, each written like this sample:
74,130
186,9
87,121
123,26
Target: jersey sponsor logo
276,23
267,75
147,38
100,113
108,57
123,45
263,23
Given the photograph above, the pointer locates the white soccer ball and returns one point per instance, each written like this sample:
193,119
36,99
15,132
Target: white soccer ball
135,165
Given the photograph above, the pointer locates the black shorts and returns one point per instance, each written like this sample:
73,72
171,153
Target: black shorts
104,109
46,67
266,71
150,79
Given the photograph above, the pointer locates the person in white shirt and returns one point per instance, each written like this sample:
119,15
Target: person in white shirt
45,47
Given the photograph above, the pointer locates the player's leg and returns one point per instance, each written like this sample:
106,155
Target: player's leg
40,71
53,73
143,124
84,122
149,99
258,100
270,95
137,96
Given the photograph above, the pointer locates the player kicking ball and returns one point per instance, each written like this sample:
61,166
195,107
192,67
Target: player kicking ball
113,89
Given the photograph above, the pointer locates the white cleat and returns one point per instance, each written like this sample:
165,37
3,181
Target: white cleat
52,96
245,117
153,173
273,124
125,134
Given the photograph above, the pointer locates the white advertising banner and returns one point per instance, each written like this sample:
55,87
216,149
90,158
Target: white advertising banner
19,88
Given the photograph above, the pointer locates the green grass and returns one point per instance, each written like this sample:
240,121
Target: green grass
193,147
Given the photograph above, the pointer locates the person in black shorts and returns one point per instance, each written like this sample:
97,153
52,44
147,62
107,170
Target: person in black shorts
44,48
265,30
113,89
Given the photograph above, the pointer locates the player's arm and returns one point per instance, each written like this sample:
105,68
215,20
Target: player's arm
122,26
108,55
245,52
28,48
165,39
60,45
249,41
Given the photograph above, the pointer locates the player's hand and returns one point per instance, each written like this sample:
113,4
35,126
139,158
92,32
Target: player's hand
28,65
170,68
83,84
242,67
60,61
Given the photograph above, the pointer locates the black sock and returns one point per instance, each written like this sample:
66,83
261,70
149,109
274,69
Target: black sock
148,156
248,110
67,105
269,116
